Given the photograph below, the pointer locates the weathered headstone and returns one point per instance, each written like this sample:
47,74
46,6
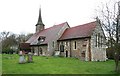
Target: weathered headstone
30,59
24,54
22,57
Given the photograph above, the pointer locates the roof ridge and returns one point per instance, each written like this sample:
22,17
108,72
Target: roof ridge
83,24
61,23
54,26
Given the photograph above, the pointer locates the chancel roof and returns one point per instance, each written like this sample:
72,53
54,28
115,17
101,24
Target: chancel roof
79,31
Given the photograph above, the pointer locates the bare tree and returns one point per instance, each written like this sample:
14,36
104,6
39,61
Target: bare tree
109,16
28,36
10,41
4,35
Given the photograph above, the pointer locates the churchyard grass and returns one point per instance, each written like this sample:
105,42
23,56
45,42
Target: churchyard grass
55,65
0,64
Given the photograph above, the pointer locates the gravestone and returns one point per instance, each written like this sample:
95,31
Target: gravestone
25,53
30,59
22,57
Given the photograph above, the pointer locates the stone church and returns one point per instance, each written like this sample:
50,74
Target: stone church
85,42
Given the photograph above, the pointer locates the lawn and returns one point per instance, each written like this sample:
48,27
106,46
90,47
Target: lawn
55,65
0,64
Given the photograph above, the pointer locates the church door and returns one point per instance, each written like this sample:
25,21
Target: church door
66,53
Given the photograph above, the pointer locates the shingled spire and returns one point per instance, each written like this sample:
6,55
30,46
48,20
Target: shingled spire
39,25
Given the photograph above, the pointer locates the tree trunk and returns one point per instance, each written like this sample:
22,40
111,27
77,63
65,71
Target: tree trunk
116,57
116,67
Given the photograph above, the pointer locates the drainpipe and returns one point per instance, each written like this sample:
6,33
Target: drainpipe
38,50
89,48
70,49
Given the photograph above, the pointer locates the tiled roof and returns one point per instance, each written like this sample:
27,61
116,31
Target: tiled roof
79,31
48,33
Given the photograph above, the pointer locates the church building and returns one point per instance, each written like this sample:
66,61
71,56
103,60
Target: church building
85,42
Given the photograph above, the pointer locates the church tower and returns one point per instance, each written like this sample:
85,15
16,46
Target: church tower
39,26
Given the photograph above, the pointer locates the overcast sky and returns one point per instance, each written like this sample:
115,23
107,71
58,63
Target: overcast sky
21,16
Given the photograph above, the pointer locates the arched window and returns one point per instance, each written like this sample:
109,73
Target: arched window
62,48
53,44
96,37
74,45
101,40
